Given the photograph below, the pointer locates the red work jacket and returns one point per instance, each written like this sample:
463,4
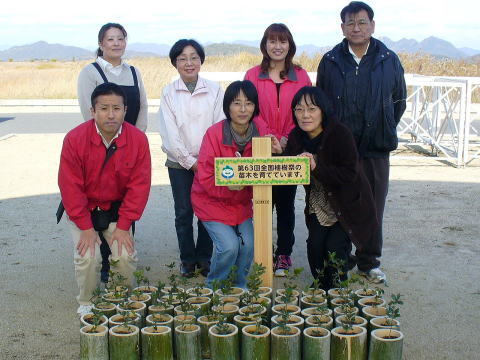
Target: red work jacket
219,203
126,176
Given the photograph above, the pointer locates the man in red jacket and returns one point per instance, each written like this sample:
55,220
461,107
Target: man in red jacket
104,180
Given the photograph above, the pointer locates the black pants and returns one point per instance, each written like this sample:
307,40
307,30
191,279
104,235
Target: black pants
321,241
190,253
283,198
377,171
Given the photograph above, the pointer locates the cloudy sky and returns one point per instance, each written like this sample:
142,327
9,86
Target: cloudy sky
164,21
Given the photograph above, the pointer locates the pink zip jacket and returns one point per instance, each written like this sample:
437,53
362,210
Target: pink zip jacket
277,115
219,203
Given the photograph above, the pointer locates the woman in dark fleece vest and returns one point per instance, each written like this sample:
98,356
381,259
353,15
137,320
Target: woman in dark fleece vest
339,204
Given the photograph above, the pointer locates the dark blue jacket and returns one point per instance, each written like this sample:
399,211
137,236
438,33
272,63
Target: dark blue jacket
384,105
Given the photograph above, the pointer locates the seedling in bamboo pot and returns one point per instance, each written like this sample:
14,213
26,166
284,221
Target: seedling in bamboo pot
316,343
387,343
285,343
157,343
349,342
255,344
224,342
94,342
187,340
123,342
314,296
227,288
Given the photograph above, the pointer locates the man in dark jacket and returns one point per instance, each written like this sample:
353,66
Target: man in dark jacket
366,84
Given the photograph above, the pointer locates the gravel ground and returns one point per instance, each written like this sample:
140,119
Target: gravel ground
430,255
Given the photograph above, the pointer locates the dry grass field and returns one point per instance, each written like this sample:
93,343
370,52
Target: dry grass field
58,79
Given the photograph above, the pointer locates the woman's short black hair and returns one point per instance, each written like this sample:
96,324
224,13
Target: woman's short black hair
178,47
107,88
313,95
104,29
232,92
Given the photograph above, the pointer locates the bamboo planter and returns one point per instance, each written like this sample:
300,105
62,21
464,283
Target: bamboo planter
312,301
123,342
293,320
243,320
385,344
183,319
205,324
168,290
314,311
87,319
202,291
295,293
177,310
143,298
107,308
324,321
114,298
291,309
229,310
316,343
146,289
159,319
384,323
187,342
265,291
315,292
255,310
157,343
157,308
339,311
131,318
370,301
349,345
94,343
138,307
203,302
236,292
224,346
278,300
233,300
286,346
255,346
370,312
358,321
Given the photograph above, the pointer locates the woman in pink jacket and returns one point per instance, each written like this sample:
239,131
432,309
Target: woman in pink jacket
277,80
226,212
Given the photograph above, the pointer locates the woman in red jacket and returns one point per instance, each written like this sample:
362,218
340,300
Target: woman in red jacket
226,212
339,203
277,80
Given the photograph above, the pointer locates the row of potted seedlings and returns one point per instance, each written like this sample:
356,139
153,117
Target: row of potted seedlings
167,322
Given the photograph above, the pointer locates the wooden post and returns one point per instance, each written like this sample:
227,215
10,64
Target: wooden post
262,215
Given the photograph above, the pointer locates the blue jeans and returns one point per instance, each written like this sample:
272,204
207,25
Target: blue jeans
233,245
181,181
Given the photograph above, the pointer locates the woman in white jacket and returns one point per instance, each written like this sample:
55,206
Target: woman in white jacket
188,107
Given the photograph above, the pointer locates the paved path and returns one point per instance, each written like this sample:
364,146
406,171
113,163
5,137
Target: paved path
431,248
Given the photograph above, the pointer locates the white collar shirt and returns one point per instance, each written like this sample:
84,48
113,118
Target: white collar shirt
105,142
107,67
355,57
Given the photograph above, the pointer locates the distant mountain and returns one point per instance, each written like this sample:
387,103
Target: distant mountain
431,45
469,51
158,49
229,49
42,50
